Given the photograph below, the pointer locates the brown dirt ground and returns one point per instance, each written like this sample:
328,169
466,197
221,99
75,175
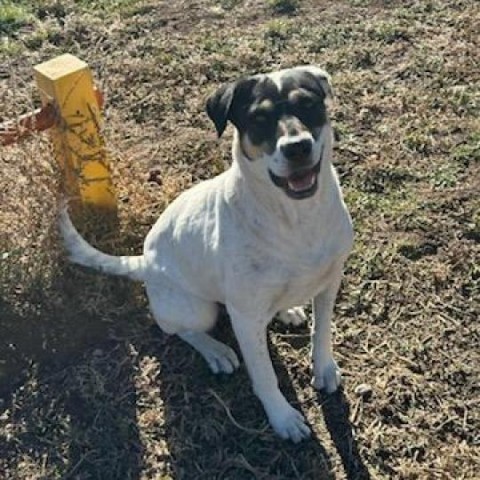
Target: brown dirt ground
92,389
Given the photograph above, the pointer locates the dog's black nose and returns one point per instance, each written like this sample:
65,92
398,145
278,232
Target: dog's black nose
297,150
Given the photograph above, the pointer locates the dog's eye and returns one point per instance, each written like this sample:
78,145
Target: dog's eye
309,110
308,103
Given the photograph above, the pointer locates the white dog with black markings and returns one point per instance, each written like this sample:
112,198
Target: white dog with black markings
262,238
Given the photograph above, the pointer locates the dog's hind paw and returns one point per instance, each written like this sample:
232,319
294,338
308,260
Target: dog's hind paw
220,357
293,316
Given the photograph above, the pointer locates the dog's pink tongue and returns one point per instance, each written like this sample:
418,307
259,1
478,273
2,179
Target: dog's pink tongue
301,183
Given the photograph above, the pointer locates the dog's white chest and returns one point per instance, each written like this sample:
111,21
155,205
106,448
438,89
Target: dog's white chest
280,279
300,283
299,290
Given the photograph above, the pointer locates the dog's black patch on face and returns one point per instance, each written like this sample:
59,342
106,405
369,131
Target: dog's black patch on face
255,111
257,107
264,112
305,99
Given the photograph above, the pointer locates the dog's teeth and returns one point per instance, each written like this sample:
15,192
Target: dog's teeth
301,185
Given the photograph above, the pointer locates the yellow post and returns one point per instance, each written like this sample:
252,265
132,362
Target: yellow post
66,82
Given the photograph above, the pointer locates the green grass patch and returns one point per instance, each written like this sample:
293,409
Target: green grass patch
446,175
107,6
10,48
319,39
419,141
388,32
277,33
13,16
368,207
468,152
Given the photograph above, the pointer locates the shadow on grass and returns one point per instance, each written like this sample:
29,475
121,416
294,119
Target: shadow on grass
138,402
336,412
101,403
216,428
68,407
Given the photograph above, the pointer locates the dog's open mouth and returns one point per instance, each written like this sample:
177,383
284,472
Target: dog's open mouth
300,184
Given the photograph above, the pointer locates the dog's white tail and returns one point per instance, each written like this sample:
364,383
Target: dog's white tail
81,252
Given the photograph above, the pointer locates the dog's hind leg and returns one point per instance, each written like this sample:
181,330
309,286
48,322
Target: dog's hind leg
190,317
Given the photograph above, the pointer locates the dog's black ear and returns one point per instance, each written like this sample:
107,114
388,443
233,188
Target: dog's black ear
218,106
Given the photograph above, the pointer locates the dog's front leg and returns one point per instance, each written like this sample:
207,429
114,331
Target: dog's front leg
326,372
252,338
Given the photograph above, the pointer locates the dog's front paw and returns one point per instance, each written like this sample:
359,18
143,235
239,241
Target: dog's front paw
289,424
327,376
293,316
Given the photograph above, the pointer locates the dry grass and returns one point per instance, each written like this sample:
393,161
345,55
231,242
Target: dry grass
92,389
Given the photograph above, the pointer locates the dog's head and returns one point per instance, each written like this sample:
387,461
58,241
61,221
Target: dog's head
282,124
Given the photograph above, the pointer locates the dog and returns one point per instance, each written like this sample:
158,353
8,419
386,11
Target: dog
263,238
